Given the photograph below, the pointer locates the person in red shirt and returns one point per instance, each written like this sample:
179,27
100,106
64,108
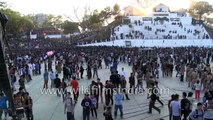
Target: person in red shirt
75,88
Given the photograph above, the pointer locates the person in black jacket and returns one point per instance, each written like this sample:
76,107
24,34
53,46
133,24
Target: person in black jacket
132,82
153,98
57,83
108,113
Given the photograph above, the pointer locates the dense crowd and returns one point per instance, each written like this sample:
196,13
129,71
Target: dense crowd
192,65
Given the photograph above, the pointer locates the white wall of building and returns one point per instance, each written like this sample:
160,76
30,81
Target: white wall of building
33,36
158,43
53,36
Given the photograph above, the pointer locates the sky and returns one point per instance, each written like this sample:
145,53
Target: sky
65,7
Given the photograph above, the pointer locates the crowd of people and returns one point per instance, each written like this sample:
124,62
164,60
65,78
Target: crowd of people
192,65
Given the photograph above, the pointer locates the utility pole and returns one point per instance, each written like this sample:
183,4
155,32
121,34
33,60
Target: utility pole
5,84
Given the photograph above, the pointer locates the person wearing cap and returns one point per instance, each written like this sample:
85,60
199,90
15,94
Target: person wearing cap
86,103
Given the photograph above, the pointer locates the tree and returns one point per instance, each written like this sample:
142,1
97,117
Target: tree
198,9
70,27
209,21
16,23
116,10
3,5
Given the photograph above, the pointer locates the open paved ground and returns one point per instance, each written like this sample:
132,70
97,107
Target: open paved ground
50,107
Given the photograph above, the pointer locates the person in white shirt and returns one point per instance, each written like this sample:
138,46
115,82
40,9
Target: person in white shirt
197,87
123,73
52,77
176,108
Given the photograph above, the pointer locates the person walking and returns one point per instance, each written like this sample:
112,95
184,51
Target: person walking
118,104
86,103
75,88
69,107
158,93
46,77
153,98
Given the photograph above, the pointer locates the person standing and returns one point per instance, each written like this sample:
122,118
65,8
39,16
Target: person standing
95,69
86,103
185,106
176,108
75,88
209,109
22,82
197,87
3,105
28,106
52,77
81,71
132,83
93,107
46,77
118,97
182,71
108,113
100,90
123,73
64,89
170,110
57,83
69,107
123,87
140,83
198,113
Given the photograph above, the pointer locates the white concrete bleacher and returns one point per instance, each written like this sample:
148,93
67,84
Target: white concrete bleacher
173,29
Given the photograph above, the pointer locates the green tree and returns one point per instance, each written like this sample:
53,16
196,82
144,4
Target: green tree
209,21
16,23
198,9
70,27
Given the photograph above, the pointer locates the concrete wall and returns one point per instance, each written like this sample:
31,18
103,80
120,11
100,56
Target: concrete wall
158,43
